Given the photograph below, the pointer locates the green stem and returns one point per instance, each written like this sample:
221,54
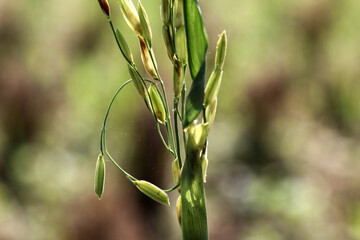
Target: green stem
183,92
176,103
173,188
117,41
103,133
163,140
129,176
193,205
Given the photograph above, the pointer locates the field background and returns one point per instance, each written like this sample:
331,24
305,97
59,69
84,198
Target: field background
284,149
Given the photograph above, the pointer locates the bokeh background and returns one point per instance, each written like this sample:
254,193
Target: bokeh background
284,149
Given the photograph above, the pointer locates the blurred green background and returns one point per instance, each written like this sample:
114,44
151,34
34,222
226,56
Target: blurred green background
284,150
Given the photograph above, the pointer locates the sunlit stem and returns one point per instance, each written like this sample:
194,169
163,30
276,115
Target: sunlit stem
193,201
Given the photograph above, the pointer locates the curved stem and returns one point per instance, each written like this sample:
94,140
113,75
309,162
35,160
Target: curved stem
107,113
103,133
129,176
173,188
163,140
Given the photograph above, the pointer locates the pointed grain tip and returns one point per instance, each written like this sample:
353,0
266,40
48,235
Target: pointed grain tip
104,4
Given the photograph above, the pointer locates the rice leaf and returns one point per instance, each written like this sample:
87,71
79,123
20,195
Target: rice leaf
197,47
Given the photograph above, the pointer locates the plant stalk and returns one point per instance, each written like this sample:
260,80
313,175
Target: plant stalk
193,201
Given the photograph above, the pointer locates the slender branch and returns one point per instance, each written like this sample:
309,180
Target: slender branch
163,140
169,124
157,123
103,133
108,111
167,128
183,93
173,188
117,40
176,103
129,176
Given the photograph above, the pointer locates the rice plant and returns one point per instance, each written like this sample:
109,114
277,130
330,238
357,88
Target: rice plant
193,111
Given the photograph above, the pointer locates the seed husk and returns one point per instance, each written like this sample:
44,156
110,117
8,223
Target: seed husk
204,164
124,47
213,86
178,79
176,171
178,209
145,24
138,82
100,176
180,44
152,191
165,11
157,104
179,13
168,40
104,4
146,59
221,50
131,16
210,112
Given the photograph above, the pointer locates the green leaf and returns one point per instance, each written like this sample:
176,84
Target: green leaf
197,43
195,99
196,35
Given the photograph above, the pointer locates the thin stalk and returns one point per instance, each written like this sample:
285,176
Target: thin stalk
117,41
169,124
163,140
103,133
183,92
167,128
128,176
157,123
108,111
178,113
176,103
173,188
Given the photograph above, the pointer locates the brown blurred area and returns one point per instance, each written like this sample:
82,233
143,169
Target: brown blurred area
284,151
